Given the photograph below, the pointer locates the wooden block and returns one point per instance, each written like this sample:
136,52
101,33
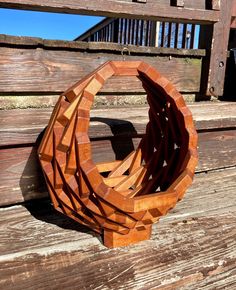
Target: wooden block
71,165
107,166
125,68
130,180
114,181
70,110
113,239
123,166
67,136
136,162
106,72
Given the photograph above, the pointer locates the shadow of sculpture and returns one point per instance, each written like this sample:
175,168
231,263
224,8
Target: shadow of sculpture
121,136
33,186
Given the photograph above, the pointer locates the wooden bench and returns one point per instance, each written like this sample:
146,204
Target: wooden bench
193,246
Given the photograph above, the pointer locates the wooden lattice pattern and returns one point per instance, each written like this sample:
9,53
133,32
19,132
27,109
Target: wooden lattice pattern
121,198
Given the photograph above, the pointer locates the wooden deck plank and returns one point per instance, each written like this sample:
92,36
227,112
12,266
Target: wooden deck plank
123,9
193,245
171,260
21,175
31,122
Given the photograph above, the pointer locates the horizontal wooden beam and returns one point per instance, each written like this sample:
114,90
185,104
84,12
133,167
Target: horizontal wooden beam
36,42
109,122
192,247
153,10
27,66
21,177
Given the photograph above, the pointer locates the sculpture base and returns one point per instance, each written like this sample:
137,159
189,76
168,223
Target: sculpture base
114,239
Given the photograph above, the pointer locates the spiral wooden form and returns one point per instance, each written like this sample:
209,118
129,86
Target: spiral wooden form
121,198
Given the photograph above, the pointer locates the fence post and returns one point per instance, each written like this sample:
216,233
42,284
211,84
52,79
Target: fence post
219,49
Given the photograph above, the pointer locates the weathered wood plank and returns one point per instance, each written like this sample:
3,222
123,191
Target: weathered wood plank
217,150
171,260
219,46
193,245
42,70
34,42
107,122
152,10
234,8
21,177
214,188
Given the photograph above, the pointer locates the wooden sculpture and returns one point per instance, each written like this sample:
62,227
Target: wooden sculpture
121,198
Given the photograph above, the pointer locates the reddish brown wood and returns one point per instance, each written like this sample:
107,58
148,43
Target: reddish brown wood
150,180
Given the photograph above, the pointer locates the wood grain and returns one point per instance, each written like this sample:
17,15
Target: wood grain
54,70
194,245
21,177
220,39
123,9
107,123
36,42
234,8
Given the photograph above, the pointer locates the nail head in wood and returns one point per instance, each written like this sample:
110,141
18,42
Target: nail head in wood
215,4
177,3
140,1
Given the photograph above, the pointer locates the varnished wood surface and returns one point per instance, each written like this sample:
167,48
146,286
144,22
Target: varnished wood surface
194,246
152,178
125,8
30,69
31,122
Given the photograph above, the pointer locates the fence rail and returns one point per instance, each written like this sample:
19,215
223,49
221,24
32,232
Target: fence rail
144,33
216,16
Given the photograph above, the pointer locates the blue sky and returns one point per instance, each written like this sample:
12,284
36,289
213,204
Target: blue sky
49,25
45,25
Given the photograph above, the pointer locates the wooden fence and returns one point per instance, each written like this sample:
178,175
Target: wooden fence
213,16
143,33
